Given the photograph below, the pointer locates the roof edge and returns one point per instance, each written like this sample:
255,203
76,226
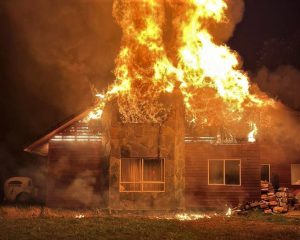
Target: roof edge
48,136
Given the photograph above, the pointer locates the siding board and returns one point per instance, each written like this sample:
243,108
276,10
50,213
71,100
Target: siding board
200,194
77,174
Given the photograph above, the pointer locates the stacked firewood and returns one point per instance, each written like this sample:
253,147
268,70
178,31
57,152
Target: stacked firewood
271,201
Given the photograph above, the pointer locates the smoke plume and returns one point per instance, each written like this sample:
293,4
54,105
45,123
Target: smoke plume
82,189
283,83
281,124
223,31
77,42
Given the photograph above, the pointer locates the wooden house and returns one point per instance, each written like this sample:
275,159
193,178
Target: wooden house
141,166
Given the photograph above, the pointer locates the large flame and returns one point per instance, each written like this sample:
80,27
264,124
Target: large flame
215,89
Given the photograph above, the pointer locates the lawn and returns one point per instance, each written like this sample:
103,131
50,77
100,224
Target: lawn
252,226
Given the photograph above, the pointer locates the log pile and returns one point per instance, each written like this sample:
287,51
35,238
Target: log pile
271,201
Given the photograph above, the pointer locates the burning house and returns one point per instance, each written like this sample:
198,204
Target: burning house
175,130
145,165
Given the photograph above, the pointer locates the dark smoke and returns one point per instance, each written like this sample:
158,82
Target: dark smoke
82,189
283,83
50,52
223,31
79,37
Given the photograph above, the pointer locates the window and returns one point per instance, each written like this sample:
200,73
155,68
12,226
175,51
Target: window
265,172
15,183
295,174
224,172
142,175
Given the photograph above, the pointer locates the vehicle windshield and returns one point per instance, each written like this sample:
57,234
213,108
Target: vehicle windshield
15,183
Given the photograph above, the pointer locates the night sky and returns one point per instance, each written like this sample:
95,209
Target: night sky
50,50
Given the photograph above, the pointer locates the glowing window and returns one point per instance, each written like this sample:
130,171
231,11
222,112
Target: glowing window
142,175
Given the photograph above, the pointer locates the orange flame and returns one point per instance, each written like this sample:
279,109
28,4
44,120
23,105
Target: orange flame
208,74
252,134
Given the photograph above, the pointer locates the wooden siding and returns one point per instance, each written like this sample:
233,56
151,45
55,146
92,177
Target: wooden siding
280,159
77,174
200,194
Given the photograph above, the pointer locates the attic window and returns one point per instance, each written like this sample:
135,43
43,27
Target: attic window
142,175
295,174
224,172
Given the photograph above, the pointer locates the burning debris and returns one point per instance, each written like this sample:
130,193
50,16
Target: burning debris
229,212
197,216
192,216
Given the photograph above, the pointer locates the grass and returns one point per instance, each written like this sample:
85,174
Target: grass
272,218
252,226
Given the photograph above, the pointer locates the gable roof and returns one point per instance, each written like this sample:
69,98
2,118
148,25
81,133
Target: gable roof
40,146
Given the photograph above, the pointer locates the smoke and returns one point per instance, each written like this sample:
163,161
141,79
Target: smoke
7,164
223,31
38,174
82,189
51,51
283,83
75,180
281,124
73,43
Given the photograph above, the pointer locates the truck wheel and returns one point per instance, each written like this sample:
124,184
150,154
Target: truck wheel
23,198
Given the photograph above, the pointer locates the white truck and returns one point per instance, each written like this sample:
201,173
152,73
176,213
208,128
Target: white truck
19,189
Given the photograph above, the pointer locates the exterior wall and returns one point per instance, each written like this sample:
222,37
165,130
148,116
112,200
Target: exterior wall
148,140
280,159
77,174
200,194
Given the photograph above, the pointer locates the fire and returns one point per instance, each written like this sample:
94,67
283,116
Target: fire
252,133
207,73
197,216
192,216
229,212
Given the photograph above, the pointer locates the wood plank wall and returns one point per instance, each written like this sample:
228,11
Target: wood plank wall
280,158
199,194
77,174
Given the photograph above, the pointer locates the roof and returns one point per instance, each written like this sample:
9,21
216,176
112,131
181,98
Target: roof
40,146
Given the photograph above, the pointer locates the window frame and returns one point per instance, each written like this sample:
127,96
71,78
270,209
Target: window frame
269,165
224,173
294,184
142,182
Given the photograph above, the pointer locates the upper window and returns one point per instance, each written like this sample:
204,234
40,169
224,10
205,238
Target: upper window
142,175
295,174
224,172
265,172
